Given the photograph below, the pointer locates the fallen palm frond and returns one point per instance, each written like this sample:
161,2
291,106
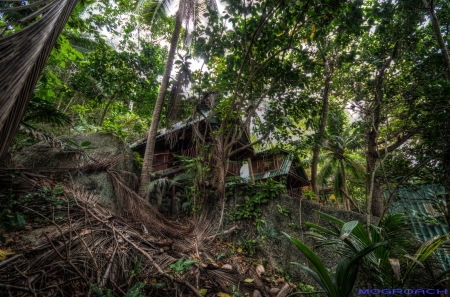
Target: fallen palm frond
90,245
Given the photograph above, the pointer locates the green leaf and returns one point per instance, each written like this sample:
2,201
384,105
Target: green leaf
97,290
136,290
85,143
321,274
59,189
70,141
21,221
321,229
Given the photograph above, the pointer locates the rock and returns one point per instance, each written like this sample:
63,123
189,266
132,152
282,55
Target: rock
97,182
227,266
256,293
285,290
273,292
260,270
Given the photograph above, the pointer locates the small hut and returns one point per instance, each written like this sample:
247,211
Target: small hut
180,140
280,165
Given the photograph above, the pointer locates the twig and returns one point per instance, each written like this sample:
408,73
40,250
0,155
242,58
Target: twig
28,281
158,268
6,286
221,213
351,200
10,260
54,224
67,259
108,269
223,233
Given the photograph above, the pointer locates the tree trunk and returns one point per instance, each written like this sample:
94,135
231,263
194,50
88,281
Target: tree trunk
323,124
438,33
151,138
446,164
344,185
446,57
102,119
372,184
373,121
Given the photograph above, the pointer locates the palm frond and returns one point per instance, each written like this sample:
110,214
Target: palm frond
82,44
36,133
153,11
356,169
22,62
326,172
44,112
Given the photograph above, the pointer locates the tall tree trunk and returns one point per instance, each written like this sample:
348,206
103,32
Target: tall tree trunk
344,185
446,57
151,138
322,126
446,164
438,33
373,122
102,119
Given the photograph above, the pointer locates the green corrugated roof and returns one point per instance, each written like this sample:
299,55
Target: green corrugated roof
411,201
284,169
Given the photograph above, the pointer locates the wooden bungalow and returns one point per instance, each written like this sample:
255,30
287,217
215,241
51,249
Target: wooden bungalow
180,140
279,165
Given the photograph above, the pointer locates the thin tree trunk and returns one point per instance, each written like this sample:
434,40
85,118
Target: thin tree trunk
102,119
371,164
344,186
446,164
373,125
372,157
172,204
323,124
151,138
68,104
446,57
438,33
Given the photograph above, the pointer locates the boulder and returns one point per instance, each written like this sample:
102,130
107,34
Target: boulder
85,167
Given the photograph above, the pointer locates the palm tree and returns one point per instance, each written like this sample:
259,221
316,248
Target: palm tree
339,161
188,11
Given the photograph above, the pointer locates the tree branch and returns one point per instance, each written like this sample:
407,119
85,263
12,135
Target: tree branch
397,144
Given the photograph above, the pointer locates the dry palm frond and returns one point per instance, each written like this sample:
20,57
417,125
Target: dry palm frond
134,206
22,58
92,245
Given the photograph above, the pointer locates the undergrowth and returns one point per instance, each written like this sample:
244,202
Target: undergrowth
255,196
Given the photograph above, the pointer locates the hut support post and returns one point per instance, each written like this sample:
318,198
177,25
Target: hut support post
250,170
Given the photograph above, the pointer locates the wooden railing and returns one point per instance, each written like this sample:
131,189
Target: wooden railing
295,193
234,168
190,152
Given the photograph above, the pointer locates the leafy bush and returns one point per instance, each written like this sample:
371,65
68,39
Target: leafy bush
337,283
256,195
390,263
14,214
